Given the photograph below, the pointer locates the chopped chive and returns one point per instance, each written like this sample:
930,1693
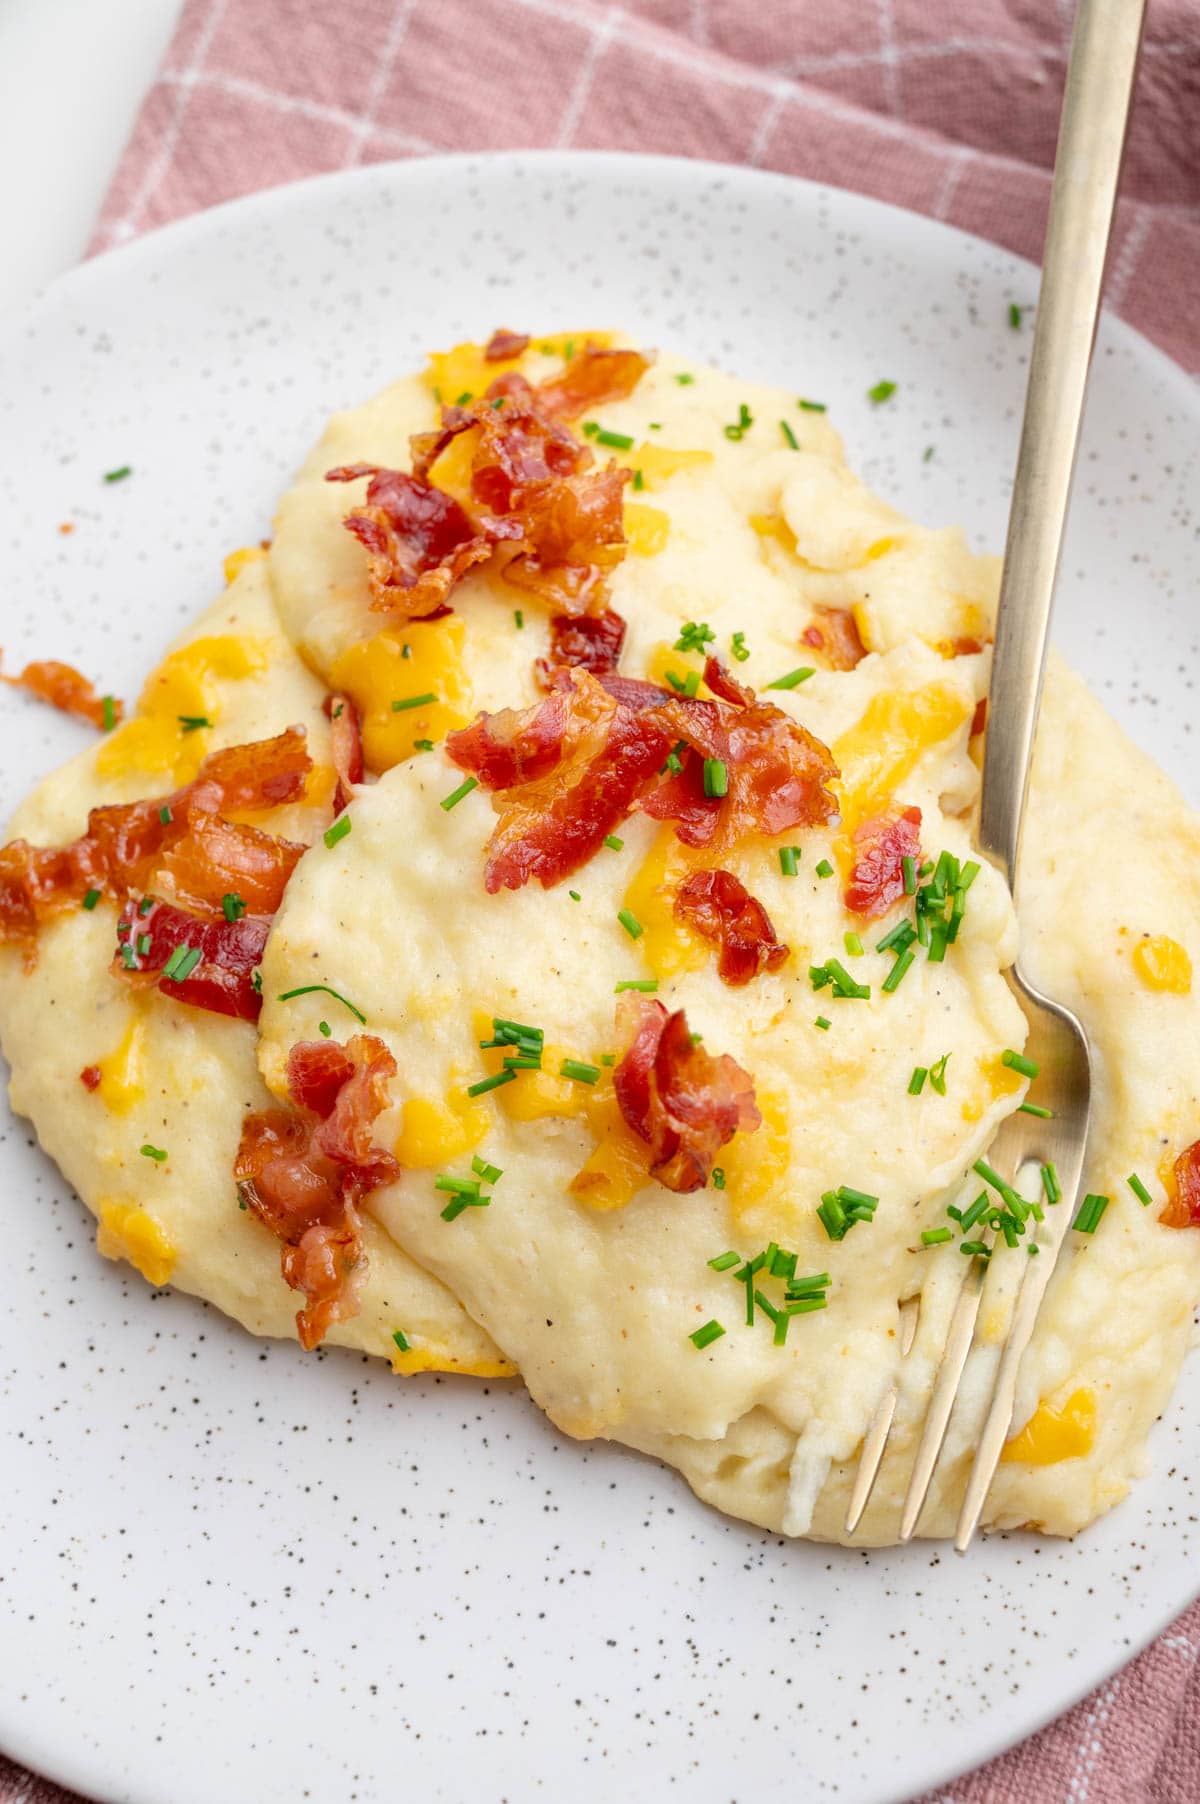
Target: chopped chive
152,1152
978,1208
823,1022
575,895
1051,1185
406,650
716,778
182,963
975,1247
463,398
704,1337
324,1029
812,406
783,1264
824,869
457,1204
165,815
1016,1061
694,636
723,1261
718,1174
639,482
916,1082
768,1308
522,1061
738,647
937,1074
413,701
789,435
456,795
1139,1190
118,475
612,842
402,1341
1090,1211
789,860
1014,316
895,976
843,984
935,1237
804,1305
339,830
143,945
233,906
792,679
853,945
422,745
742,424
807,1287
648,985
582,1074
489,1173
491,1083
630,923
1035,1108
109,712
938,939
684,379
310,989
91,899
617,441
832,1216
899,939
145,905
927,455
882,391
192,723
908,865
127,958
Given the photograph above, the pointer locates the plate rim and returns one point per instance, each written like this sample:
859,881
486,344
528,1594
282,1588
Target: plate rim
113,263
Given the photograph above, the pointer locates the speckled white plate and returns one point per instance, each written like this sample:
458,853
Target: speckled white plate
230,1570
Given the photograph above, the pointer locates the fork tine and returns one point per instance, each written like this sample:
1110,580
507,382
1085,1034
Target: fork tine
945,1390
876,1437
1000,1410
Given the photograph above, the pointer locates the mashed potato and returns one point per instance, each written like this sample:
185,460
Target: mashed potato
177,1079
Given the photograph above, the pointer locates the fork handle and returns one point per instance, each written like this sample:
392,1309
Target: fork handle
1091,143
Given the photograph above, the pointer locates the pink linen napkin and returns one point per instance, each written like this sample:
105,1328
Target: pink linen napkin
946,106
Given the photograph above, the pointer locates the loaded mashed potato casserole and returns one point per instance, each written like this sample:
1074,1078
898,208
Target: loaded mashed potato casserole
533,924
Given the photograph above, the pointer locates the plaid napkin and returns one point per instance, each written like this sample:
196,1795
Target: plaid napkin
946,106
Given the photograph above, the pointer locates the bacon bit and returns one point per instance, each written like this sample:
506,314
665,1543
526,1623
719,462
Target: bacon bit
633,692
304,1172
230,953
127,843
836,635
959,648
684,1103
979,718
881,844
345,738
68,526
419,541
1183,1209
90,1077
777,772
591,379
718,905
66,688
565,772
574,533
585,642
502,346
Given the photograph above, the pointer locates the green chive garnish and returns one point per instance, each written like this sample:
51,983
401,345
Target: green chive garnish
789,860
1035,1108
716,778
1090,1211
723,1261
192,723
491,1083
704,1337
937,1074
456,795
489,1173
896,975
582,1074
109,707
1016,1061
182,963
909,867
684,379
339,830
738,647
853,945
823,1022
1051,1186
718,1174
812,406
824,869
91,899
118,475
233,906
152,1152
165,815
694,636
413,701
935,1237
1014,316
648,985
402,1341
617,441
311,989
612,842
793,678
324,1029
789,435
882,391
1139,1190
630,923
742,425
518,618
916,1082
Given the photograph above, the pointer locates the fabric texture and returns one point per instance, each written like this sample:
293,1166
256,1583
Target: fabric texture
949,107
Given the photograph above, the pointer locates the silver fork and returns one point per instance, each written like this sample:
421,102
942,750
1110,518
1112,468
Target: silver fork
1087,167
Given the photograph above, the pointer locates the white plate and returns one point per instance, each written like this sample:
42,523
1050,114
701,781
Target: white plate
233,1571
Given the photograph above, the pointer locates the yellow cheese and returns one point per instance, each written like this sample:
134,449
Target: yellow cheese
434,1130
452,470
1056,1432
236,562
658,463
775,528
756,1165
646,528
152,745
618,1168
883,746
537,1094
183,687
121,1084
464,370
128,1232
667,945
1163,964
995,1079
375,673
431,1357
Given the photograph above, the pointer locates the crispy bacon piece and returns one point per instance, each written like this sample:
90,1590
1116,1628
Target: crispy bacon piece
182,836
222,981
303,1172
592,378
979,718
582,642
68,689
503,345
777,773
345,741
720,907
419,540
684,1103
836,635
961,647
574,533
564,773
1183,1209
881,844
90,1077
